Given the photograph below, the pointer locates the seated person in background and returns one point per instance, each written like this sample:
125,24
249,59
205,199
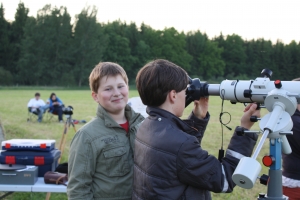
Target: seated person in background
56,106
37,106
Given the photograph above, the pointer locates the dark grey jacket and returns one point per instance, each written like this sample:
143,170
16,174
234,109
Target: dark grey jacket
170,163
291,162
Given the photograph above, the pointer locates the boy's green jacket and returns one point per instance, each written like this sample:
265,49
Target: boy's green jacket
101,158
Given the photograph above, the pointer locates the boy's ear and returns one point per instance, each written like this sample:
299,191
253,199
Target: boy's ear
94,96
172,96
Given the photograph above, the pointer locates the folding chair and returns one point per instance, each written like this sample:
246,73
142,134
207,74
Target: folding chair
32,116
51,115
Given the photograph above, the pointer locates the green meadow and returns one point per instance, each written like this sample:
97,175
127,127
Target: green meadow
13,116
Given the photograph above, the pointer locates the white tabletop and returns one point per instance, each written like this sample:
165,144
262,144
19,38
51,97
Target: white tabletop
16,188
39,186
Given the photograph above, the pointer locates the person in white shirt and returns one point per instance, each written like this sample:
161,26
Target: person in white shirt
37,106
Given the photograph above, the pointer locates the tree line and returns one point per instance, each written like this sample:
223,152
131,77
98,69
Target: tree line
51,50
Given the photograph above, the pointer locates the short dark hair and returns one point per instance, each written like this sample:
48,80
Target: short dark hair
105,69
37,94
157,78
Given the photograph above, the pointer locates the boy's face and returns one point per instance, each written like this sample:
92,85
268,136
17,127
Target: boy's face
180,103
112,94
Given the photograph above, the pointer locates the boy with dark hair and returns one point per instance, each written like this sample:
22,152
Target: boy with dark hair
169,162
101,152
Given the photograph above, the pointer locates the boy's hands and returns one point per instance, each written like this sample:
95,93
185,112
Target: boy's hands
201,107
250,110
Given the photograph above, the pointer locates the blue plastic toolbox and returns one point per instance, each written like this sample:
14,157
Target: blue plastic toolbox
28,145
46,161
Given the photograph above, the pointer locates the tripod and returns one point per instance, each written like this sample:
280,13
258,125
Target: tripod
67,125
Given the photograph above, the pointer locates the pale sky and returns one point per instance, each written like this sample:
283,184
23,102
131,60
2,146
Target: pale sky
250,19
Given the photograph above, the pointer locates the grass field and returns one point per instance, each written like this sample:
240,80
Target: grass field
13,115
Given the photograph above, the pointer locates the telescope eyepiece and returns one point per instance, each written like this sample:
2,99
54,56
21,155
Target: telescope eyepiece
195,90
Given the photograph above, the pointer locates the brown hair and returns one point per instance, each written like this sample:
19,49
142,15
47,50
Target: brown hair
157,78
105,69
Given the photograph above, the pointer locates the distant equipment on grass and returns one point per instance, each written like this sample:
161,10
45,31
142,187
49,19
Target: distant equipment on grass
137,105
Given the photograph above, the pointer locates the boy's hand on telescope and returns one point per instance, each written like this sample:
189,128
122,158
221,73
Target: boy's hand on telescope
201,107
250,110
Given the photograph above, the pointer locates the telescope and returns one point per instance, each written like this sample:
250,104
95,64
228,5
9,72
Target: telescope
280,98
241,91
68,110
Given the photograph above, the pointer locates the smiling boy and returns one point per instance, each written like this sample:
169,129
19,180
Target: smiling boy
101,152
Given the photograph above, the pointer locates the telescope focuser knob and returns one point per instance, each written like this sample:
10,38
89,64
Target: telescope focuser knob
240,131
247,93
254,118
264,179
278,84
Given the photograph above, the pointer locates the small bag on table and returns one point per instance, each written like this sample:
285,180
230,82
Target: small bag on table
55,178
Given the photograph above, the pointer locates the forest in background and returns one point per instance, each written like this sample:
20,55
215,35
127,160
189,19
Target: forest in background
51,50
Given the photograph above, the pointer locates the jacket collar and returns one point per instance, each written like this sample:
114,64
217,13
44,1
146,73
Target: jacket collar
155,113
132,117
